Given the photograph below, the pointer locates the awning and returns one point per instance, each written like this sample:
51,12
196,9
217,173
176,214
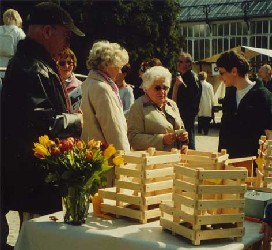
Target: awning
249,52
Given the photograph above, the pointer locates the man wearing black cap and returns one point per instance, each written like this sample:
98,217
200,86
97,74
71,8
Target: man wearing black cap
32,96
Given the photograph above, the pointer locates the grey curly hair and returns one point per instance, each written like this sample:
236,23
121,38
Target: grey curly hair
104,54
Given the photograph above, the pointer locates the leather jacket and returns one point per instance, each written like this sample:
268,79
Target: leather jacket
32,96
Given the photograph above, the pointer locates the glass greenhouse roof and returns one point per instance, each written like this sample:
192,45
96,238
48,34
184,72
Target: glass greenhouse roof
212,10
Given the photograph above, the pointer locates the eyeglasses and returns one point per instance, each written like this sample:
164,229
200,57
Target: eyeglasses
159,88
63,63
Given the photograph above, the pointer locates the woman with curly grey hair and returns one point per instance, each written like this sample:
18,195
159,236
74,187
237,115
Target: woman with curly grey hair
153,119
103,117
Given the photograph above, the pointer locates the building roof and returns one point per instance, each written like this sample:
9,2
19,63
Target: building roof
213,10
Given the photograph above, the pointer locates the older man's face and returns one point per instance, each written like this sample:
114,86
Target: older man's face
183,64
59,39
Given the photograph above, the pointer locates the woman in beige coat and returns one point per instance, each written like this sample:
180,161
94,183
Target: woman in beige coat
103,117
154,120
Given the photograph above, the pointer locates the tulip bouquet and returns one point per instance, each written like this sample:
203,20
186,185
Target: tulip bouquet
76,167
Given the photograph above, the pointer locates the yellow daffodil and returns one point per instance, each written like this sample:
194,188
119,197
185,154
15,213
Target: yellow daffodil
44,140
94,144
118,160
80,144
109,151
40,150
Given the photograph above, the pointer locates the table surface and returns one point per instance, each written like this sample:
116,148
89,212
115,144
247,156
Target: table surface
101,234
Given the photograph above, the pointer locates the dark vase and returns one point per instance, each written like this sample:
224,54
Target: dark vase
75,205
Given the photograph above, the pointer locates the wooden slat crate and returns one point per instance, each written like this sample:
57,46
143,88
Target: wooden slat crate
267,170
207,204
206,160
141,184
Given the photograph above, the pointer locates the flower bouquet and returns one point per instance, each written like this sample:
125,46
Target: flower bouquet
77,168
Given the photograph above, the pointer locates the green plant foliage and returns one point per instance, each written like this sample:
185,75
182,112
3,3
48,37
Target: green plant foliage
145,28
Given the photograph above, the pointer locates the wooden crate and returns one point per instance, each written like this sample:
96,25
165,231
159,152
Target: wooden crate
267,167
206,160
141,184
207,204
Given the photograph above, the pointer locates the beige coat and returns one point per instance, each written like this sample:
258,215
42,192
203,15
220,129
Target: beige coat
103,117
147,124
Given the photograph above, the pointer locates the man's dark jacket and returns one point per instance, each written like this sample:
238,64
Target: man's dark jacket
188,97
31,96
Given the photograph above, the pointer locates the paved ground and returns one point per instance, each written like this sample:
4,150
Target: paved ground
207,143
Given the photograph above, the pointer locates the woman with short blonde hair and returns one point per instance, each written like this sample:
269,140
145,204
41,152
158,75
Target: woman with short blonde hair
12,17
10,34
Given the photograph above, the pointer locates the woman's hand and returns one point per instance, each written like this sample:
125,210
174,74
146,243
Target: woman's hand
183,137
169,138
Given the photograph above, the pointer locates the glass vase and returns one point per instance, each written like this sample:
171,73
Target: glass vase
75,205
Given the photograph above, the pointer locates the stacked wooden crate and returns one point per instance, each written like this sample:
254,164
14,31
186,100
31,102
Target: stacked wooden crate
208,200
141,184
267,166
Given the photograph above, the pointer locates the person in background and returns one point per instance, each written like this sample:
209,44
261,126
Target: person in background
187,94
154,120
32,98
146,64
205,105
67,63
247,108
266,228
125,90
266,74
10,34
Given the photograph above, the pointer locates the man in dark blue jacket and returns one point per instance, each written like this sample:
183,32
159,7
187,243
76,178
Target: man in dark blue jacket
32,97
187,93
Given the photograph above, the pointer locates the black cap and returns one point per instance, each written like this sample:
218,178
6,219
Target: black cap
48,13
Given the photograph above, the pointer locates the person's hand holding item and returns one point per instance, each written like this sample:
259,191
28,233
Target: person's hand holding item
179,79
182,137
169,138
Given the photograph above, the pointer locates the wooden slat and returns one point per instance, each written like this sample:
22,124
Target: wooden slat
185,171
158,198
155,173
225,174
187,201
129,199
107,193
186,186
206,204
219,219
202,159
155,186
129,185
128,172
151,160
221,233
219,189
